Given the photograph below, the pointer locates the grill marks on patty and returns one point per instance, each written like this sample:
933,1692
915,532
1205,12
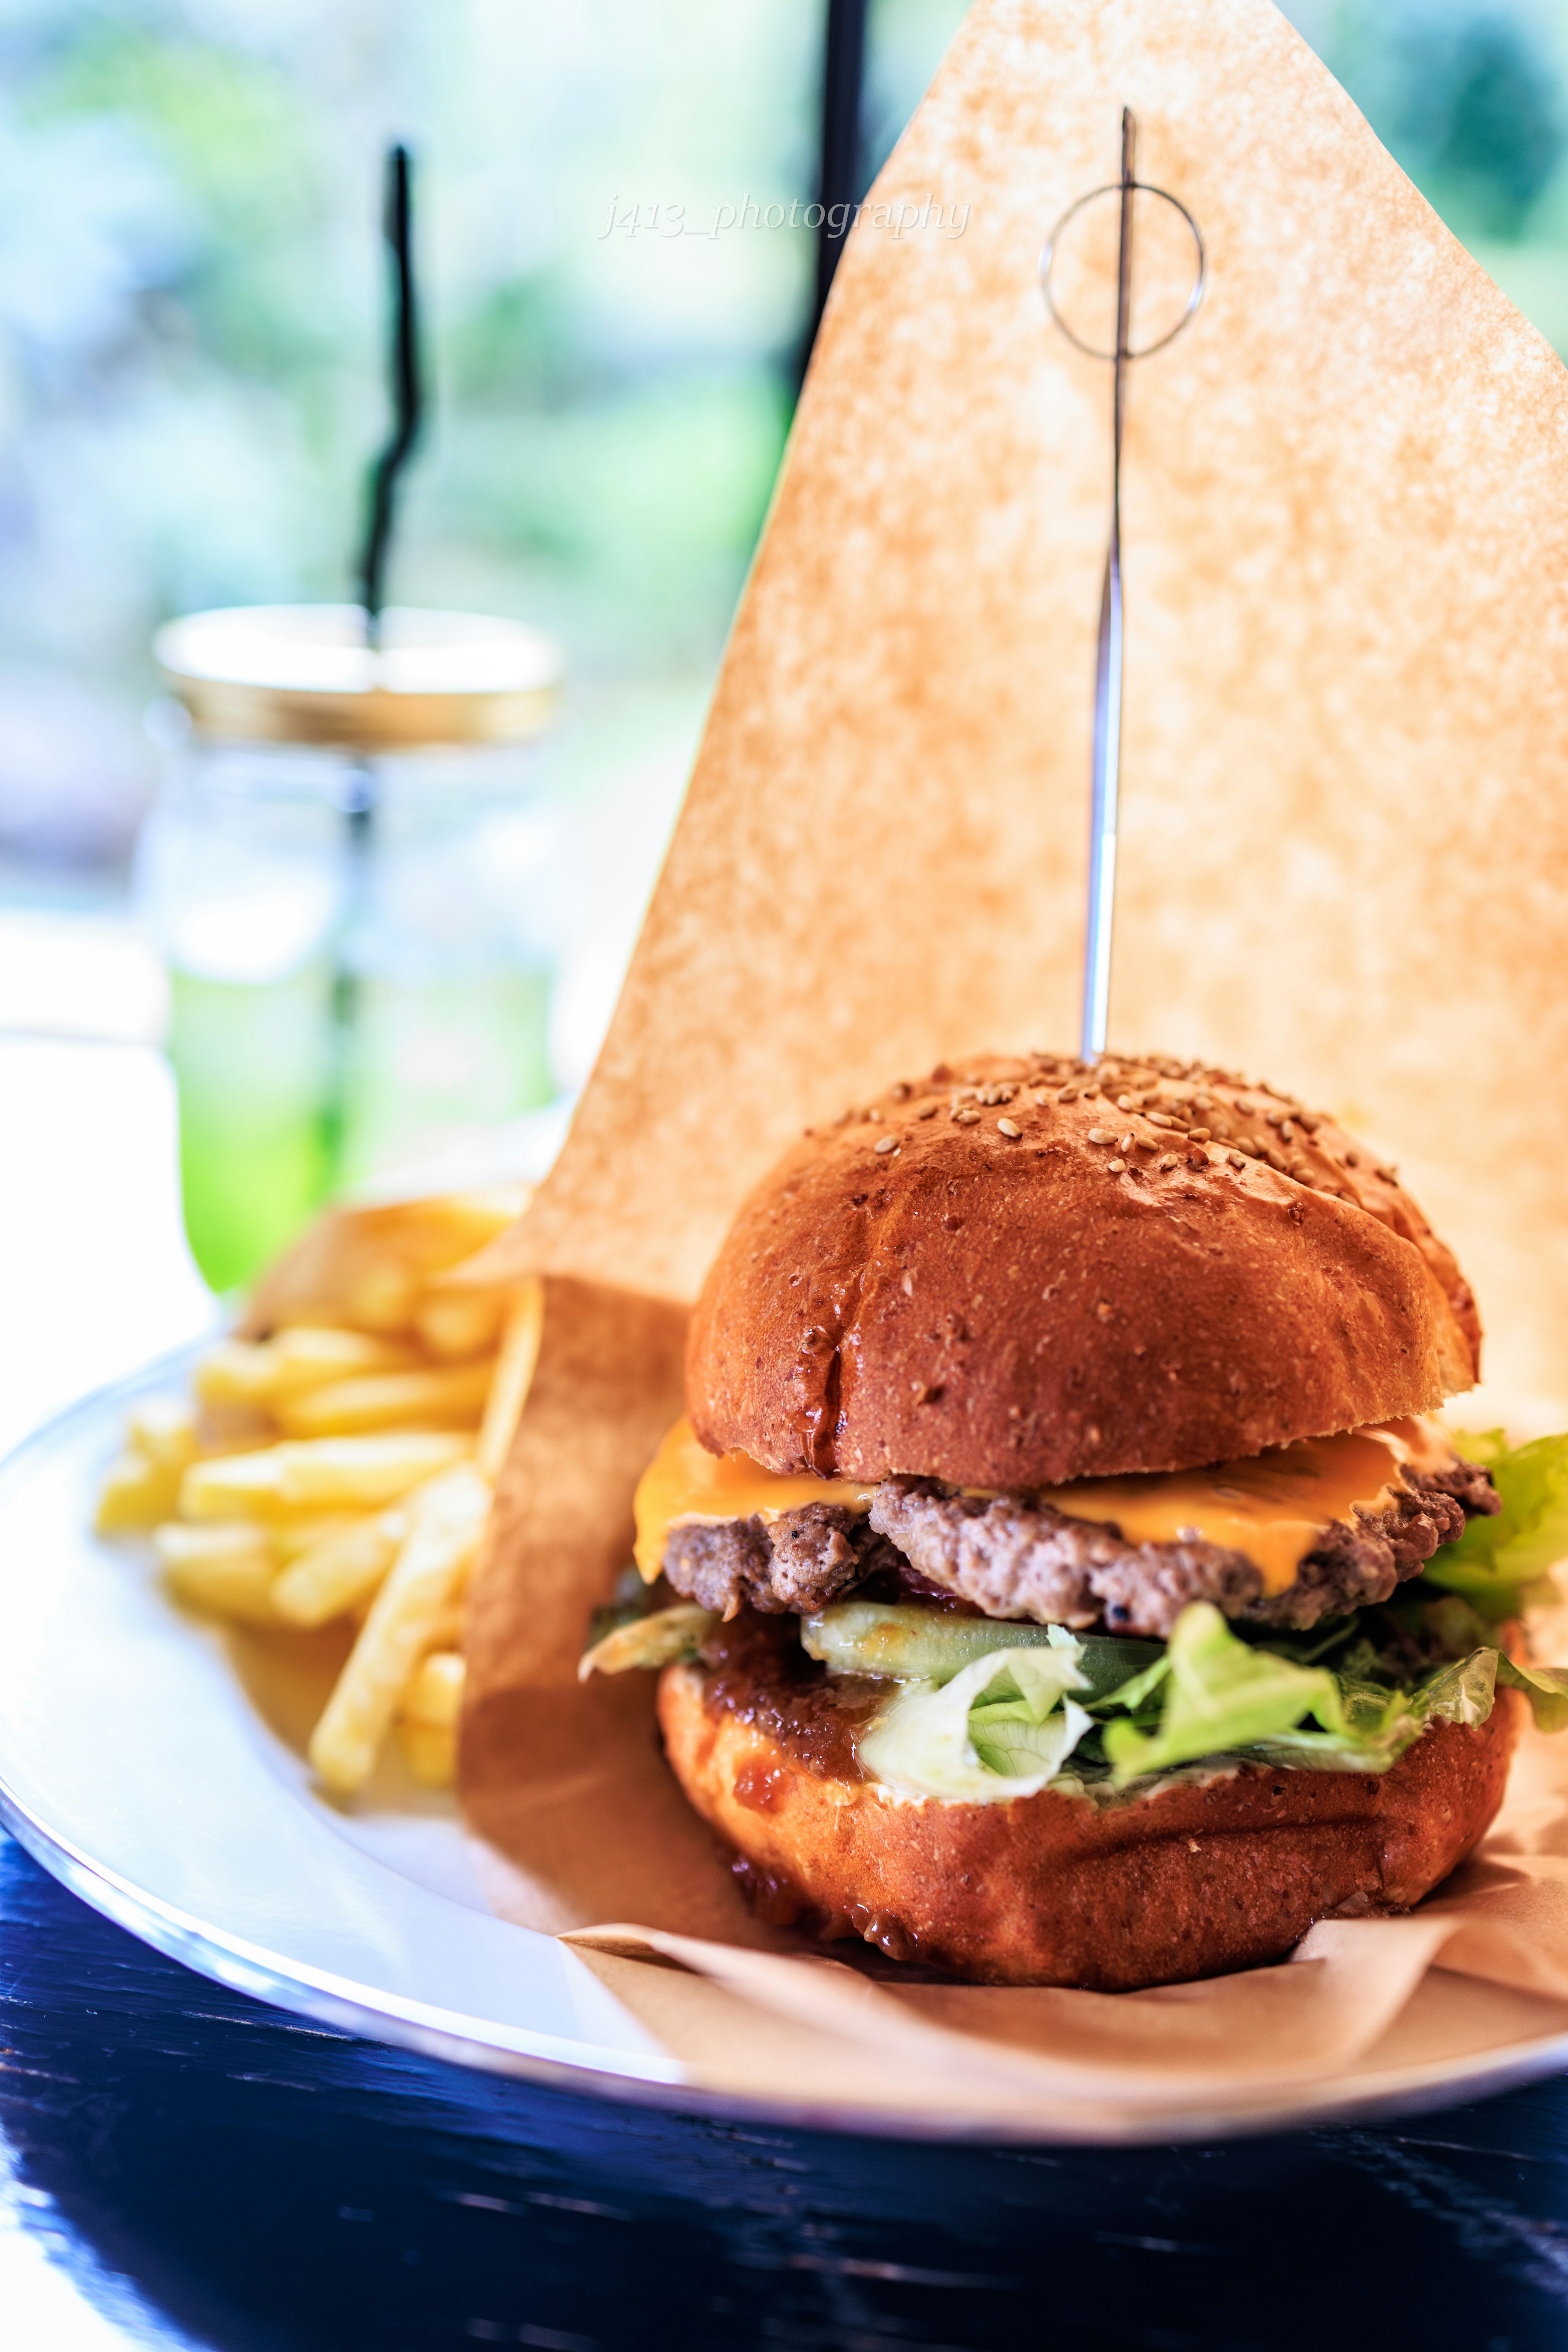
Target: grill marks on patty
1013,1558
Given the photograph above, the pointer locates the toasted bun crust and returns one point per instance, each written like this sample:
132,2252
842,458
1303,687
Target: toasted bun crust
1053,1890
922,1289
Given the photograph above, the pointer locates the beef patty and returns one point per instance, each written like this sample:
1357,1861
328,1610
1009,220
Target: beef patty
1012,1556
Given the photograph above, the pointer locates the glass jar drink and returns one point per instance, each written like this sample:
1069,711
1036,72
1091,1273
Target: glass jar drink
348,873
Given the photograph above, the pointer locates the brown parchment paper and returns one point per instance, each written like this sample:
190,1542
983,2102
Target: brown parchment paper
1345,829
1344,863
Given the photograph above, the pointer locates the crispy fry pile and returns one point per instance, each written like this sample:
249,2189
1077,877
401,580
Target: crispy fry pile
337,1461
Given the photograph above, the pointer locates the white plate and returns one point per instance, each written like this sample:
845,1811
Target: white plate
142,1762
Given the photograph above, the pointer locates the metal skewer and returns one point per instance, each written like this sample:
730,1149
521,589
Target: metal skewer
1106,756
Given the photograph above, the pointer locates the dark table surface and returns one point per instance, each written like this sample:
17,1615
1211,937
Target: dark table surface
207,2171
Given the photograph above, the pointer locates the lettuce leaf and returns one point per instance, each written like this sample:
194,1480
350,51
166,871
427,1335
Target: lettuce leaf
662,1639
1546,1688
1377,1724
1222,1694
1001,1728
1500,1564
1462,1692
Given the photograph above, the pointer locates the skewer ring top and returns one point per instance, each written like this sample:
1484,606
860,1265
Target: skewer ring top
1200,280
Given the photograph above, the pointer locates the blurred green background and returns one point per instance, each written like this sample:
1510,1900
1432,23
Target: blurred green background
191,303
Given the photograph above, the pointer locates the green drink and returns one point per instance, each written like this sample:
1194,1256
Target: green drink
250,1066
265,1136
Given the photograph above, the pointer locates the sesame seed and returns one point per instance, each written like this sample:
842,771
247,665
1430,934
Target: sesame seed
1287,1131
1166,1160
1242,1105
967,1118
1041,1097
1277,1160
1101,1135
876,1115
1311,1119
928,1110
1237,1158
1199,1134
1068,1094
1125,1102
1116,1167
907,1286
1006,1127
898,1091
1125,1144
1158,1119
888,1143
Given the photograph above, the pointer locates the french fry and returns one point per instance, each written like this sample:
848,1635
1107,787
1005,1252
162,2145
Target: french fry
435,1693
382,1299
316,1474
164,1429
452,1396
368,1266
291,1537
136,1493
226,1568
445,1522
232,1486
342,1569
259,1372
512,1377
457,1323
428,1720
430,1752
447,1634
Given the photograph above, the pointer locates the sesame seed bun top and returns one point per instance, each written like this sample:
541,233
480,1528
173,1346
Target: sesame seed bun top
1020,1271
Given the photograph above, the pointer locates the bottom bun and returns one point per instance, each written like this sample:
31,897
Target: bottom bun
1057,1890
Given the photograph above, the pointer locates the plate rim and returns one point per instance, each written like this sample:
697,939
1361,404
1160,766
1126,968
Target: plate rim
368,2013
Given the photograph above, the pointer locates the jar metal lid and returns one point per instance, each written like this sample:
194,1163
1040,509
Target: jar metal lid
304,673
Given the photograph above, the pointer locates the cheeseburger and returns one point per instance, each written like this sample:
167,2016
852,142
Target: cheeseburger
1059,1578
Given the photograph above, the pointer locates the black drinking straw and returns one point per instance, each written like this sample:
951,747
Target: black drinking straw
405,385
838,188
359,791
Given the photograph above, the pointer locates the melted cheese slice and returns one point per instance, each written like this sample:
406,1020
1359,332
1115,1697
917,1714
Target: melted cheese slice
1272,1507
684,1483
